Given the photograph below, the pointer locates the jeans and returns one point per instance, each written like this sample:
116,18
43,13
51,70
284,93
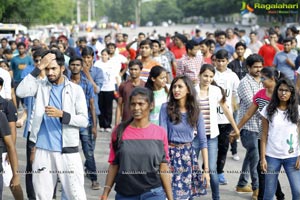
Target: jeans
153,194
273,169
212,145
249,142
28,177
223,145
261,178
88,146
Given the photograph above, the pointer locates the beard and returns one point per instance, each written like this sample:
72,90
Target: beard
54,79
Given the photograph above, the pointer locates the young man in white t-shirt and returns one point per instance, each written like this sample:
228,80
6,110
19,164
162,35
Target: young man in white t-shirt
229,81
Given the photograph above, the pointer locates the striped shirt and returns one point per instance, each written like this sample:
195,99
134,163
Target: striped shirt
260,99
205,110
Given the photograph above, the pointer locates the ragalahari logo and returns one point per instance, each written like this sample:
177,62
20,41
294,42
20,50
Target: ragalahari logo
246,8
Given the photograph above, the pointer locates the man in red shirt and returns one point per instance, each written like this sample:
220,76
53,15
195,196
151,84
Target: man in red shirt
204,48
270,48
178,49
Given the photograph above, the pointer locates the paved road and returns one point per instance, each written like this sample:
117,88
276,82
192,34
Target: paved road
101,156
102,143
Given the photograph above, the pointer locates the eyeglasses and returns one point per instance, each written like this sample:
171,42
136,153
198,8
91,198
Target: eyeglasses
283,90
262,79
37,60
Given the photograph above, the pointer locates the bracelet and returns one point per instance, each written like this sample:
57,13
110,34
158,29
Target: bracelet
107,186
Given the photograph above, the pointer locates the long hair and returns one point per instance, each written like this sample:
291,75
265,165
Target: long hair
212,69
154,73
145,92
191,104
292,105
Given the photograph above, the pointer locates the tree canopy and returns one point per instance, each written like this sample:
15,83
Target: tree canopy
31,12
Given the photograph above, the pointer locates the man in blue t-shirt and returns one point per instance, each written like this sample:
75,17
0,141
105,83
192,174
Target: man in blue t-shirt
284,61
59,112
19,63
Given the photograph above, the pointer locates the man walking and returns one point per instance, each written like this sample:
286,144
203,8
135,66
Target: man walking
60,111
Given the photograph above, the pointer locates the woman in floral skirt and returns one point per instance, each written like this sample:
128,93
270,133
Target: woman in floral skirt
181,117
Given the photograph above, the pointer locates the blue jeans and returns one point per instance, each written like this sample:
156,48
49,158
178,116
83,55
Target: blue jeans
271,178
153,194
212,145
249,142
88,146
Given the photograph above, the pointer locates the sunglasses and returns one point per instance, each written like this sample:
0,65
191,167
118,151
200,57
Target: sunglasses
37,60
262,79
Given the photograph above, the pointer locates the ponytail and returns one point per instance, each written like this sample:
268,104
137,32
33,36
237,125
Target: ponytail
119,132
223,100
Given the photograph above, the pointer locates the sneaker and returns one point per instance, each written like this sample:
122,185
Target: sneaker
95,185
255,195
101,129
108,130
222,179
235,157
246,189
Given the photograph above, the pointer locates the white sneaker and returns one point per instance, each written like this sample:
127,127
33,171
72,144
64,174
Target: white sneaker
235,157
101,129
107,130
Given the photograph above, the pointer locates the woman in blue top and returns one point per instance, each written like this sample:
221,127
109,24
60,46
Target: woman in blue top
181,117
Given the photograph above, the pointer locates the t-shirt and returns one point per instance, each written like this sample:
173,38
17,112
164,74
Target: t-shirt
18,64
147,68
4,131
8,108
50,133
110,72
261,99
160,97
229,81
139,156
6,89
283,137
227,47
178,52
268,52
182,132
125,90
281,64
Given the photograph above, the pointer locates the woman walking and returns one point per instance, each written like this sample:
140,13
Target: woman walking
280,139
139,155
156,82
181,117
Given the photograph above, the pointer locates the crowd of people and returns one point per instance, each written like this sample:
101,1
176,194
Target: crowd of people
178,97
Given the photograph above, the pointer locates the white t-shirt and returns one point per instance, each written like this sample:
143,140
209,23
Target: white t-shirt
110,73
6,89
229,81
283,138
119,59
